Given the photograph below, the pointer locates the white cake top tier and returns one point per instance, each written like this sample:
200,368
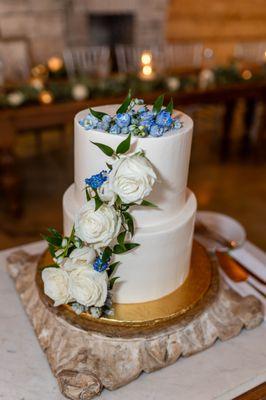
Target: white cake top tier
169,155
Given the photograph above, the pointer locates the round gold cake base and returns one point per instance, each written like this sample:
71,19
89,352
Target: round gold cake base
198,290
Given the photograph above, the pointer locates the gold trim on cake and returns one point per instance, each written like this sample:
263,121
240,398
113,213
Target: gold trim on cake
196,292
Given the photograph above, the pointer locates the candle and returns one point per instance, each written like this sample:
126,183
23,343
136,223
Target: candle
46,97
146,58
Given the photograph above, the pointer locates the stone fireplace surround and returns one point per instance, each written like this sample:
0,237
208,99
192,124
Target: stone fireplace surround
48,26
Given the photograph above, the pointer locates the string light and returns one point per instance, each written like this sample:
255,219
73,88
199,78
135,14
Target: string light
246,74
55,64
46,97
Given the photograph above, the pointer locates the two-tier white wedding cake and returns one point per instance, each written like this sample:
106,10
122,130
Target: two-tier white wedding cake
161,263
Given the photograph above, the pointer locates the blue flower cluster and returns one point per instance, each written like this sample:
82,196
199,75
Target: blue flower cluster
99,266
96,181
139,122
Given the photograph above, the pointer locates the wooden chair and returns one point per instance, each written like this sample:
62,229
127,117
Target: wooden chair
251,52
84,61
182,57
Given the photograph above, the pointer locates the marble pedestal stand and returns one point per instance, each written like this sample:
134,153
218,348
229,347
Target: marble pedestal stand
85,362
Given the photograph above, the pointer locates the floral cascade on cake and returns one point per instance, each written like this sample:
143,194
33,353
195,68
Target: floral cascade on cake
140,121
83,273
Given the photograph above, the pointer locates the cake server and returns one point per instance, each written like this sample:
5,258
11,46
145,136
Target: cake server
238,273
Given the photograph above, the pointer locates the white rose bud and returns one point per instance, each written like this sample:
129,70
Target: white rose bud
98,228
88,287
106,193
132,178
85,255
56,285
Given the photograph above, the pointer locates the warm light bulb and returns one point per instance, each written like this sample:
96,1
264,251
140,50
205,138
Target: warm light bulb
246,74
55,64
46,97
147,70
146,58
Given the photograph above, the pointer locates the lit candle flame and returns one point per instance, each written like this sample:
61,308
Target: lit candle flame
146,58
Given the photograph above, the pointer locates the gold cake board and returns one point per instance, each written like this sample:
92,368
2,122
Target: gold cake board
88,355
199,288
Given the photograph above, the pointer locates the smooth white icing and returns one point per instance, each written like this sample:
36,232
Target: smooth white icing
169,154
160,264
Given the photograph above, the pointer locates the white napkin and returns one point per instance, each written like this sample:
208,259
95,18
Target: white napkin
252,258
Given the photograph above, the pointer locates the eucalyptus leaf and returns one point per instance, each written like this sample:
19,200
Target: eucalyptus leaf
105,149
147,203
88,197
158,104
97,114
112,282
112,268
106,254
131,246
124,146
130,222
98,202
118,249
124,106
170,106
121,238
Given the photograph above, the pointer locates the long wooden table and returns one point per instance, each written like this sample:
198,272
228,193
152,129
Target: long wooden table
38,117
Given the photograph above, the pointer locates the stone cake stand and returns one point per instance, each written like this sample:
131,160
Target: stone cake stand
84,360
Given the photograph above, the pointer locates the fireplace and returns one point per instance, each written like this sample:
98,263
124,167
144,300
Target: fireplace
111,30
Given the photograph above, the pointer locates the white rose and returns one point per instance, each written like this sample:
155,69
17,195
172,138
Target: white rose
88,287
132,178
97,228
56,285
85,254
106,193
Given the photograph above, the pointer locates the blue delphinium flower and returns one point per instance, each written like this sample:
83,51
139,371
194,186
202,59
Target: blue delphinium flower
123,120
156,130
96,181
99,266
115,129
90,122
177,123
164,119
106,119
125,130
147,116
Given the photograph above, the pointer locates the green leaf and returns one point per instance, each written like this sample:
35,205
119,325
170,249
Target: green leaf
97,114
121,238
105,149
158,104
112,268
52,240
118,249
109,166
98,202
51,250
147,203
124,146
88,197
124,106
106,254
112,282
170,106
55,233
130,222
131,246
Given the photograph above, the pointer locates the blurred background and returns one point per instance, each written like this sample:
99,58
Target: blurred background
60,56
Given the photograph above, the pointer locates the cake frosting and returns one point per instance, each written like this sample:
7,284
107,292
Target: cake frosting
161,263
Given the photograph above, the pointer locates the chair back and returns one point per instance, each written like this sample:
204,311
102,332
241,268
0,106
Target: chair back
179,56
251,52
84,61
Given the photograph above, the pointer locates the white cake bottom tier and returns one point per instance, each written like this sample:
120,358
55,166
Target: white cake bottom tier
160,264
